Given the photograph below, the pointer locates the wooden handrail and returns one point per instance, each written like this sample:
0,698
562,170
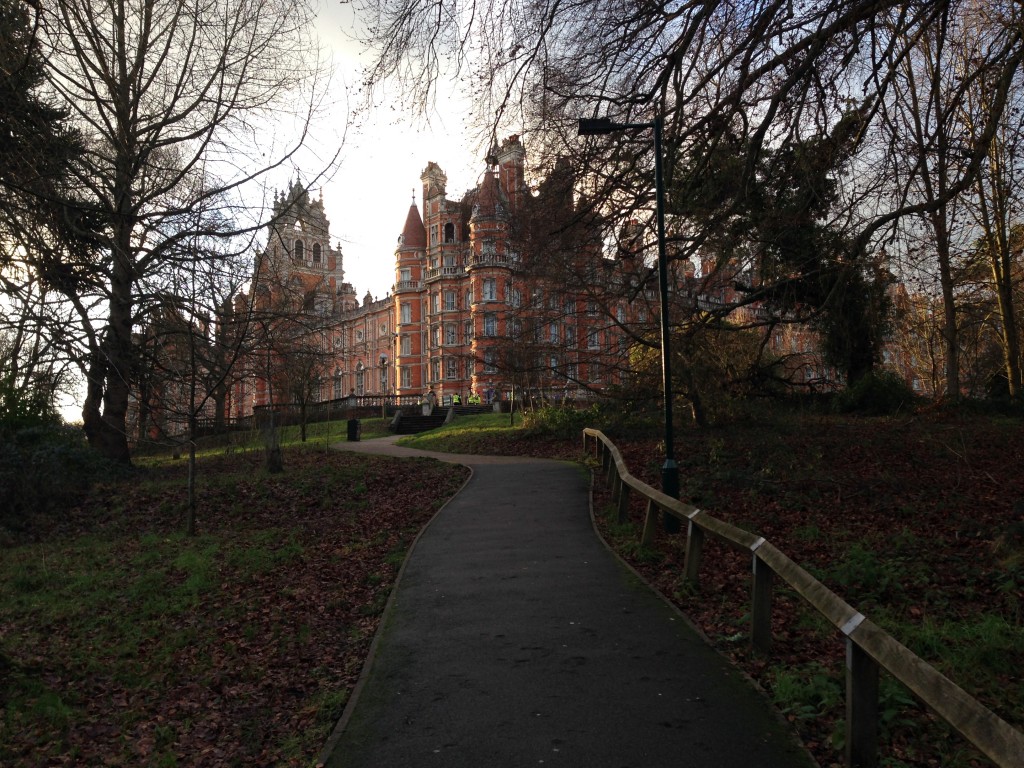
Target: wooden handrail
869,647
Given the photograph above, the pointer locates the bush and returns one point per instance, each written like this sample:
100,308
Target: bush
561,421
44,469
878,393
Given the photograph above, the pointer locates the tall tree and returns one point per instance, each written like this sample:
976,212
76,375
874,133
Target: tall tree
177,103
998,208
735,82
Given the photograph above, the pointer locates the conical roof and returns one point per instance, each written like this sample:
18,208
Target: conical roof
488,197
414,235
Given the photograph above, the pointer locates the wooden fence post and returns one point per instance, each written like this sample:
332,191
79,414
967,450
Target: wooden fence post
694,545
761,604
861,707
623,502
650,523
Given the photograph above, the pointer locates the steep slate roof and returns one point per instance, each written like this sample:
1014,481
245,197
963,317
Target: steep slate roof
414,235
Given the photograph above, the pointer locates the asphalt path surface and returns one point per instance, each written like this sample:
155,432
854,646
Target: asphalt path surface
516,638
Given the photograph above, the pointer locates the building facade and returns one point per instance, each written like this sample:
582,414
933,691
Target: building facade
465,301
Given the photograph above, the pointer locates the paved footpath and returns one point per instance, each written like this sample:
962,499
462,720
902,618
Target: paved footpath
515,638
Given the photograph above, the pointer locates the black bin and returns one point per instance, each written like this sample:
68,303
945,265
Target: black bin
353,430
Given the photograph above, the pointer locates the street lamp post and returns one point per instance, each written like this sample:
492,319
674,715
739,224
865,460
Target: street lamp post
384,386
669,470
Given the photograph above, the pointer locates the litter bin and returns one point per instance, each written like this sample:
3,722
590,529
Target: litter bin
353,430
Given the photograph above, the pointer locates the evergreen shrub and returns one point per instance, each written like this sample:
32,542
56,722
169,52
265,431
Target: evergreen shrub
878,393
44,469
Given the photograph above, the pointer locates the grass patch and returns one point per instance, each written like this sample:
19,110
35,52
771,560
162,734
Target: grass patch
467,434
125,642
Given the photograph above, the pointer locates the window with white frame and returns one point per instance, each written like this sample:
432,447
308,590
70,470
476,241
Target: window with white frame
469,298
451,367
490,289
593,340
451,335
553,333
467,332
435,303
406,345
406,377
435,336
450,302
406,312
489,361
490,324
435,370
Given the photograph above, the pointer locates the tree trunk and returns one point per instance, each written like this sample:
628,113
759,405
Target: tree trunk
950,331
190,513
1009,336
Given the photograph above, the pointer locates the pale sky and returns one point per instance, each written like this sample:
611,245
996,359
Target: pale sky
383,153
382,156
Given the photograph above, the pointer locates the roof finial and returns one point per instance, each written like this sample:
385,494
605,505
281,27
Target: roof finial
414,195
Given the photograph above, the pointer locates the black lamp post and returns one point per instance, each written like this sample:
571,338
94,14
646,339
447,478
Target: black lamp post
384,386
669,470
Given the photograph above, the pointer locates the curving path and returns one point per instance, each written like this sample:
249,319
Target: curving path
515,638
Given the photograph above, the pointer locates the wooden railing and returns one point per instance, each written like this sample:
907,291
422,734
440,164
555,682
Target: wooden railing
868,647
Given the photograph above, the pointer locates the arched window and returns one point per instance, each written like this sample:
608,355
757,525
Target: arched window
299,250
449,232
316,253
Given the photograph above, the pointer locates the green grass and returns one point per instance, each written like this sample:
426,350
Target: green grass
130,626
466,433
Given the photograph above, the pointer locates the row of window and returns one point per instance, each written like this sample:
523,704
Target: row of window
299,251
552,333
513,297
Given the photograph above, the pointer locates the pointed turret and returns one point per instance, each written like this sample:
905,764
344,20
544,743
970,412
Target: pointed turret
414,236
488,197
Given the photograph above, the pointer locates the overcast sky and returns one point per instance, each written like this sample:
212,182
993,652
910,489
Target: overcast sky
382,156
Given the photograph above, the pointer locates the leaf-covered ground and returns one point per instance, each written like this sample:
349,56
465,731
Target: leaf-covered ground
123,642
918,522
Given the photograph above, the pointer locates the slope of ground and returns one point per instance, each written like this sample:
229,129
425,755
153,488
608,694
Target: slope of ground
122,642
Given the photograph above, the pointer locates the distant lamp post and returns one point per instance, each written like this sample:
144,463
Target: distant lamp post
669,471
384,386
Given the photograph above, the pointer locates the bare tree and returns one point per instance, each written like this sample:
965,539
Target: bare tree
740,86
997,210
176,102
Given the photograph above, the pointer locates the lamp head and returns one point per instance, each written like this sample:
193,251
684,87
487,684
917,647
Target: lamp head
596,126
